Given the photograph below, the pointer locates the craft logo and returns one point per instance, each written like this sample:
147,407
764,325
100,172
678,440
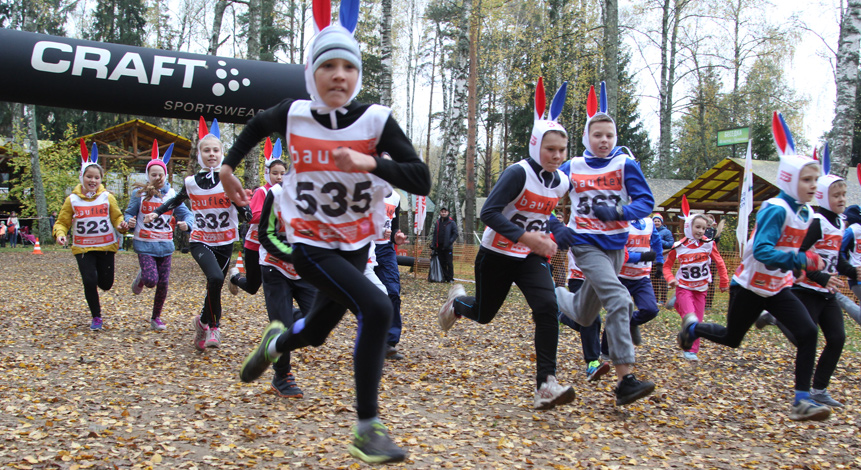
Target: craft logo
784,176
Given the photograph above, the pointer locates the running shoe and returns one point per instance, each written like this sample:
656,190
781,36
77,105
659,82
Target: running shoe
551,394
685,339
231,286
258,361
596,369
824,398
393,354
213,338
764,319
809,410
200,333
446,314
96,324
375,446
157,324
285,386
137,283
691,356
630,390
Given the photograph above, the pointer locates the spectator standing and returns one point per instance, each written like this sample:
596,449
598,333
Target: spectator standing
443,237
667,240
12,227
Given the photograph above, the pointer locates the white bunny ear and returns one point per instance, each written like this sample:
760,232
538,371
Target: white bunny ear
322,14
540,99
558,101
349,14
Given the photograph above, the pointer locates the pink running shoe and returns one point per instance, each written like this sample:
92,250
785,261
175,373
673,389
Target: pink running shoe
201,332
213,338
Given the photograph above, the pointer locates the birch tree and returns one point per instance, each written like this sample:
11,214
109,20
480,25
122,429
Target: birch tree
846,79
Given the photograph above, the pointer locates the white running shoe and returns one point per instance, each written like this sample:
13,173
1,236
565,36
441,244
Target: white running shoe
551,394
446,314
213,338
137,283
201,331
233,288
809,410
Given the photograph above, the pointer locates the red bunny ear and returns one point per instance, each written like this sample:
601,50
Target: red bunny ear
84,153
322,10
814,154
540,99
686,208
267,148
591,102
154,149
201,129
858,172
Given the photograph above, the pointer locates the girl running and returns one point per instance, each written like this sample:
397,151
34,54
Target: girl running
153,242
95,217
332,205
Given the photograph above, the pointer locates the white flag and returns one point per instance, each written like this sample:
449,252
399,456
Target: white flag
420,211
745,202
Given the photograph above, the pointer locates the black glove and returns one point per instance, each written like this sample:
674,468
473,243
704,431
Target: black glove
648,256
564,236
607,213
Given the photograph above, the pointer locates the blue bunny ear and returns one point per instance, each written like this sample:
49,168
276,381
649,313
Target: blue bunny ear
94,155
348,14
214,129
167,154
558,101
603,105
826,160
276,149
790,142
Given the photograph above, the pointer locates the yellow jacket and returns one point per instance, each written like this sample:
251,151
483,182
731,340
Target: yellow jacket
64,219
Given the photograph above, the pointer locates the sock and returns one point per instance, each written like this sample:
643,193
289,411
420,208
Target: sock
801,396
365,425
271,352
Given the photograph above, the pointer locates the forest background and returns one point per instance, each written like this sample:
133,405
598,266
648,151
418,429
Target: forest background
460,76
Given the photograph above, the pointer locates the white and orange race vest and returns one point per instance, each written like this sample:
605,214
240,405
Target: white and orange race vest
92,221
391,206
322,205
855,254
694,264
639,241
252,236
530,211
267,259
573,271
160,229
828,248
215,219
595,186
752,274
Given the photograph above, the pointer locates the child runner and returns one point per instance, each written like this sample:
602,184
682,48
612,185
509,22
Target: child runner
850,248
602,181
817,289
769,262
215,229
644,247
695,254
95,214
281,283
387,272
590,336
514,249
332,205
153,242
251,281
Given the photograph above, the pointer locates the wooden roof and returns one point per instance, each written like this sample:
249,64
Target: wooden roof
133,140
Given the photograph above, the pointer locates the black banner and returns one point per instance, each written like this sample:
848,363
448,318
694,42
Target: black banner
72,73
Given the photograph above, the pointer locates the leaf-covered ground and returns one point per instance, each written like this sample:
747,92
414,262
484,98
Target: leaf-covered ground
128,397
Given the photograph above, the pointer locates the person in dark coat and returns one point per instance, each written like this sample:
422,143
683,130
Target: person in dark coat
442,238
667,241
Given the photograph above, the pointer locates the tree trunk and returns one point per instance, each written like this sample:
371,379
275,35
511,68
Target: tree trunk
36,169
611,53
455,130
220,6
430,100
846,78
668,72
386,53
252,165
472,13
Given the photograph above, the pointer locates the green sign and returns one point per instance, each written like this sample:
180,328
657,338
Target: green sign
733,136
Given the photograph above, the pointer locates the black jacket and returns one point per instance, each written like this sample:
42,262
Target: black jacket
444,234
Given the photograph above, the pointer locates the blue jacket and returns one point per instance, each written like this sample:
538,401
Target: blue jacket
666,237
162,248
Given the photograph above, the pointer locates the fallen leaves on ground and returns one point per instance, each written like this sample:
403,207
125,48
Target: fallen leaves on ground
129,397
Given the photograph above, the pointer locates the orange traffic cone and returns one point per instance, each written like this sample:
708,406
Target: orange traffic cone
240,265
37,250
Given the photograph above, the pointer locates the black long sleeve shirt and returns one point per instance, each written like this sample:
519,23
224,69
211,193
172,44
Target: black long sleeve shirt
814,234
202,180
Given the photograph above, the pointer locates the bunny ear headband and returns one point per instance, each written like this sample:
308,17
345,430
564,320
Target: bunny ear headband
332,41
790,163
88,159
595,106
272,153
203,133
542,125
823,184
159,161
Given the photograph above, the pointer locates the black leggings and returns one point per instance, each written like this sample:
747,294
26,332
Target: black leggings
827,314
213,261
339,278
279,292
494,274
745,307
97,271
251,281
